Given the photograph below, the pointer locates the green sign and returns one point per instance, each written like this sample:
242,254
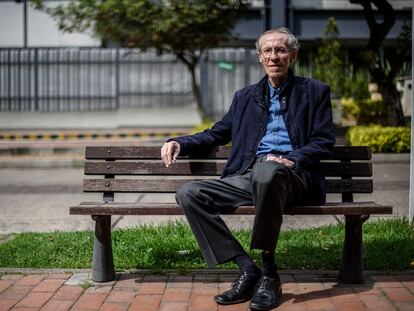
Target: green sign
226,66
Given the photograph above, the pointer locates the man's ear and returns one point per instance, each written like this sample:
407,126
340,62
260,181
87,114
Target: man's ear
260,57
293,56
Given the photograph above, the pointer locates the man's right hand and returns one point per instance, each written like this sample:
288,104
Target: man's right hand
170,152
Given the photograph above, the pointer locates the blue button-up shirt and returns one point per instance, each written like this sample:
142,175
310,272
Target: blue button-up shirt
276,139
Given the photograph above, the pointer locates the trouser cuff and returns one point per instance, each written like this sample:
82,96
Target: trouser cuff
221,253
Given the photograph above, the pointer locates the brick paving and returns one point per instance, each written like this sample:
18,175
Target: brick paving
146,292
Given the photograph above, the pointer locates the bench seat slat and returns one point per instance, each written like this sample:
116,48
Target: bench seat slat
96,208
139,152
163,185
145,167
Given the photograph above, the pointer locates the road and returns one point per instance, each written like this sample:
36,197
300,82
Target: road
38,199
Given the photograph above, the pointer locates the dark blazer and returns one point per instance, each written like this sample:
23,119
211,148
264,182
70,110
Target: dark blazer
307,113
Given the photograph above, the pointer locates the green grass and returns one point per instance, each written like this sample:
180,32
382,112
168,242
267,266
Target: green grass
389,245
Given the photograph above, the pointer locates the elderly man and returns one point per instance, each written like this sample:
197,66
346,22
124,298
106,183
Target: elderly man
279,129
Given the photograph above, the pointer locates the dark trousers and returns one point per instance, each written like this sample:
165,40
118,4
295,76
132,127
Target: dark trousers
268,185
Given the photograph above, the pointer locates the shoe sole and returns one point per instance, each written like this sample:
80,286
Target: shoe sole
232,302
257,308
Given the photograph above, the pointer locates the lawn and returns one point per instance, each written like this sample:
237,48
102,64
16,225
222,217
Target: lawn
389,245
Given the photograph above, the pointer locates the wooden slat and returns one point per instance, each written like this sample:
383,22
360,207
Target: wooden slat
142,152
352,169
358,208
348,185
121,152
161,185
153,168
145,167
350,153
341,209
150,152
134,185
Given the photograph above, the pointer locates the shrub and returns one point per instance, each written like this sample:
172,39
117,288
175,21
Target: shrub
355,83
385,139
350,107
364,111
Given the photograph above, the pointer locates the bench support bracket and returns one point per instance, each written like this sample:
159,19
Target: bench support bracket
102,263
352,267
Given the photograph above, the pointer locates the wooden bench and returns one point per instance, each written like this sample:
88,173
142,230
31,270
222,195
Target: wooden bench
146,174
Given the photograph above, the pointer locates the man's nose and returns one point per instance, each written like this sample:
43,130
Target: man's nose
274,54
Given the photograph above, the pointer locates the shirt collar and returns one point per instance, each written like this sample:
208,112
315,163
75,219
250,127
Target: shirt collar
273,91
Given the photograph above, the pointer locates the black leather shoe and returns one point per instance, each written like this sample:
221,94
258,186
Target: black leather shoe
241,291
267,294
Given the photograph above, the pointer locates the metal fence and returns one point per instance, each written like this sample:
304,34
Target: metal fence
225,71
84,79
90,79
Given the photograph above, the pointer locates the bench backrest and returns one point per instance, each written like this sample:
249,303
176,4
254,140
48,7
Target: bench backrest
116,164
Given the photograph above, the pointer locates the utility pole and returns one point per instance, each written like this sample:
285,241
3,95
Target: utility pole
278,14
411,202
274,14
24,21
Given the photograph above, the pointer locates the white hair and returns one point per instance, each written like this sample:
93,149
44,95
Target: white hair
293,43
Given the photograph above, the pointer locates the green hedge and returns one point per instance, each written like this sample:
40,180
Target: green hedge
364,111
384,139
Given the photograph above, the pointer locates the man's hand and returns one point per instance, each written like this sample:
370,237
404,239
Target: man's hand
279,159
170,152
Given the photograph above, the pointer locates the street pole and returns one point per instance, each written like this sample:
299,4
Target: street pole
278,14
411,202
25,23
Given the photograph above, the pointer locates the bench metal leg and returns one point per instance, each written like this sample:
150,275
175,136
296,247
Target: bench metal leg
102,263
352,268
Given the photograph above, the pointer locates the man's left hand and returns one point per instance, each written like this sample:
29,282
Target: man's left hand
281,160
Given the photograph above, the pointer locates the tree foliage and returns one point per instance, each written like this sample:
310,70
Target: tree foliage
185,28
329,59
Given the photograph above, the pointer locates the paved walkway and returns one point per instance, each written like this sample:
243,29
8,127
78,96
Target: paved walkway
140,291
122,118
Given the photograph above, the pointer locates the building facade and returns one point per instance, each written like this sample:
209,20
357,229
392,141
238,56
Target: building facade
23,26
44,69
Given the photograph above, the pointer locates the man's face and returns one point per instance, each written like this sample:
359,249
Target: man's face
276,57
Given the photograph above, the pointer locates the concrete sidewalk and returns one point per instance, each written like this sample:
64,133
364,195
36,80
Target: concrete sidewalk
123,118
304,290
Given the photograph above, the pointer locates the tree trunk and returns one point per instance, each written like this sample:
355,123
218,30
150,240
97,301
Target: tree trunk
191,66
391,98
197,94
388,89
378,33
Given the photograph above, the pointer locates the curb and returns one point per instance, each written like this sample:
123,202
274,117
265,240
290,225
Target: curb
90,135
194,271
41,164
399,158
